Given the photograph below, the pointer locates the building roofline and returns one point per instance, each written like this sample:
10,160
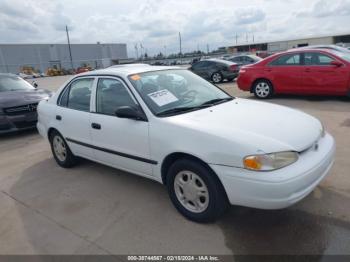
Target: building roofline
288,40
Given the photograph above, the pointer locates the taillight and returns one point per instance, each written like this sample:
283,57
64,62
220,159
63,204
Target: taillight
233,68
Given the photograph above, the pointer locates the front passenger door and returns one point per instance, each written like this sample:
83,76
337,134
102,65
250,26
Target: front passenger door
321,77
119,142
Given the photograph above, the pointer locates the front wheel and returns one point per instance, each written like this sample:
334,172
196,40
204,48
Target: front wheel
195,191
262,89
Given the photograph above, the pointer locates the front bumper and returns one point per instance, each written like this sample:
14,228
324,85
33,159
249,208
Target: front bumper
280,188
15,123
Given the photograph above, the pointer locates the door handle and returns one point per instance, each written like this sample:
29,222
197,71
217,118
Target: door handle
59,118
307,70
96,126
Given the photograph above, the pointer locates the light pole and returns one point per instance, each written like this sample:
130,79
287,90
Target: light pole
69,48
180,44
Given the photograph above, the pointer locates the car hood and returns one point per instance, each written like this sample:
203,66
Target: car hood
262,126
23,97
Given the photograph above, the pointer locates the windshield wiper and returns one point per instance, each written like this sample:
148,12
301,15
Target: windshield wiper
186,109
217,101
181,109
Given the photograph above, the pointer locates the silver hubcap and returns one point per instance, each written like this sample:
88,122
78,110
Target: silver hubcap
216,77
59,148
262,89
191,191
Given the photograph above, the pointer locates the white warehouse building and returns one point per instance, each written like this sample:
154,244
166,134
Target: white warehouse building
13,57
278,46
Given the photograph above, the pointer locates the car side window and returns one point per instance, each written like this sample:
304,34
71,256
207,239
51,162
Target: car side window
237,59
111,94
287,60
317,59
79,94
198,65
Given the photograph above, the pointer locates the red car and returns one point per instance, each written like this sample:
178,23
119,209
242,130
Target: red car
304,72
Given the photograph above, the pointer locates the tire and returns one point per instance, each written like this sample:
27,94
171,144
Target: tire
217,77
262,89
61,152
212,201
230,79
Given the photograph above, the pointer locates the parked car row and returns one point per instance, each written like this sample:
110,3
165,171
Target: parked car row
171,125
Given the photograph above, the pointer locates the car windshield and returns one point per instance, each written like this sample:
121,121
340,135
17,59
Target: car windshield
13,83
170,92
343,55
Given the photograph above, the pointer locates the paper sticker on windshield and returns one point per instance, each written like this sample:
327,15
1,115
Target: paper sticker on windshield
135,77
163,97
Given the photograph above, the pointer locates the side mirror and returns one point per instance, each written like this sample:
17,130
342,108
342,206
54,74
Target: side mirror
35,84
336,63
130,113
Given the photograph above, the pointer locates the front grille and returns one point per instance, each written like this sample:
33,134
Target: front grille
20,110
4,127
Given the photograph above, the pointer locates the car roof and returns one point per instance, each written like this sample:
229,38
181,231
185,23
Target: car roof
125,71
7,74
298,50
322,47
129,65
218,61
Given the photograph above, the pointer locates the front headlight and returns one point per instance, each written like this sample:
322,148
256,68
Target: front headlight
269,162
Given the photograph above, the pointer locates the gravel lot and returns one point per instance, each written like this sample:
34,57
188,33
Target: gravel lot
93,209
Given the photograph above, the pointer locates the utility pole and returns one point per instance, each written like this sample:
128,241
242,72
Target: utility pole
141,47
165,51
208,49
137,52
69,47
180,44
236,39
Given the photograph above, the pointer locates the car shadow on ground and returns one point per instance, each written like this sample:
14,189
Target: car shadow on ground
18,134
312,98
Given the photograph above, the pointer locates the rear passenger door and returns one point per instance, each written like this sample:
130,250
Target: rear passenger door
73,115
119,142
201,68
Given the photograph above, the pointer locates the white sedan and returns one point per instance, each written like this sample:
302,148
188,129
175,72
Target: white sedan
170,125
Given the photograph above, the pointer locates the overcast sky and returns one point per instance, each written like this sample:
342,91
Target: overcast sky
156,23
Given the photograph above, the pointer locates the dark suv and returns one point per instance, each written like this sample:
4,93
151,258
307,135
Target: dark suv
216,70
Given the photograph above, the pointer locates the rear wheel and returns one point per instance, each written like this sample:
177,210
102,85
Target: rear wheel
60,150
217,78
195,191
262,89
